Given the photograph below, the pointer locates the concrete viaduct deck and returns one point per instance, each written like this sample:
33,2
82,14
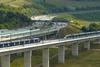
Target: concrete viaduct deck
45,45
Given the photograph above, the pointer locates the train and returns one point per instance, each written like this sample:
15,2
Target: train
16,34
81,34
19,42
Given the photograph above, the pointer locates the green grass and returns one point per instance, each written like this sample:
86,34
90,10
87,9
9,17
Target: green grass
86,59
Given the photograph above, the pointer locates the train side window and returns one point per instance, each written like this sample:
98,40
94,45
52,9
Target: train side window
1,45
31,41
11,44
21,42
6,44
27,41
17,43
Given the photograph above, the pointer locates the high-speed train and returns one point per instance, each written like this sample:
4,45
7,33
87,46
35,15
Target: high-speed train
81,34
19,42
14,35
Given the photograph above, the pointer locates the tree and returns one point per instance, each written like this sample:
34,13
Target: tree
93,27
84,29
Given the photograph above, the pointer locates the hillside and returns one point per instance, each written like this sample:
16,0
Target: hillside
28,8
34,7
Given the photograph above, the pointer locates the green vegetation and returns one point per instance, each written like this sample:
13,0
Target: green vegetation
13,20
28,8
74,5
69,30
84,22
92,17
91,27
31,7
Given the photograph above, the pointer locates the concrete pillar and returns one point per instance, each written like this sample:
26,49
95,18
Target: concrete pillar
87,45
75,50
46,57
61,54
5,61
27,58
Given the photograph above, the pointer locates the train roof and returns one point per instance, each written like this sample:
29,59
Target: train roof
8,32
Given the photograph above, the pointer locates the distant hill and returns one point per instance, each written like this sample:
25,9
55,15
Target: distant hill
28,8
35,7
